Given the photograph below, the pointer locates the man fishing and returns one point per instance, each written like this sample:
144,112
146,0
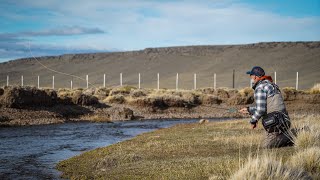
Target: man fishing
269,106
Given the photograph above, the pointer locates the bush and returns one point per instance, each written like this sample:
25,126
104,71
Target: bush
246,92
124,90
289,94
102,93
138,93
119,99
210,99
20,97
85,100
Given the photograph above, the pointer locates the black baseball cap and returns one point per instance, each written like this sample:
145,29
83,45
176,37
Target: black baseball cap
256,70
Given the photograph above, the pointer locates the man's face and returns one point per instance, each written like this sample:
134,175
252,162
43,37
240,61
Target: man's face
253,77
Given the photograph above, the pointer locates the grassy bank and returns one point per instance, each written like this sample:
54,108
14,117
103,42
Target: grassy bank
32,106
215,150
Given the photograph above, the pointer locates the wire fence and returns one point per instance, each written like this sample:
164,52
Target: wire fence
138,85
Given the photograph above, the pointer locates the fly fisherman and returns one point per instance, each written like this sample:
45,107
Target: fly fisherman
269,106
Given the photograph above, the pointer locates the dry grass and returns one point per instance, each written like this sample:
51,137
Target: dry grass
65,92
315,89
118,98
193,151
246,91
308,159
268,167
124,90
218,150
308,132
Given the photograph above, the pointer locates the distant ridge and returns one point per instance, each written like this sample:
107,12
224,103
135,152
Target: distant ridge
286,58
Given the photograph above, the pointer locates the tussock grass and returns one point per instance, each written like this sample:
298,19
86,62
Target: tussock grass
315,89
246,91
308,132
308,160
267,167
118,98
124,90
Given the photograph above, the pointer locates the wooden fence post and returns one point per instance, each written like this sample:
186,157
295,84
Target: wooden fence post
297,81
120,79
139,81
158,81
87,79
177,81
52,82
214,81
194,81
233,77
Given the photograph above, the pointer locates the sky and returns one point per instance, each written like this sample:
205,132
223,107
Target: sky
54,27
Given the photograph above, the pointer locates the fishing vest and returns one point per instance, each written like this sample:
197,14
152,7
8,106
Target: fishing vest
275,100
276,118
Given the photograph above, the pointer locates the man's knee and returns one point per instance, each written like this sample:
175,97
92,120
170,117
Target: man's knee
276,140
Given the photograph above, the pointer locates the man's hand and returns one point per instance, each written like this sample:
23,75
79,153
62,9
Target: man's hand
244,111
253,124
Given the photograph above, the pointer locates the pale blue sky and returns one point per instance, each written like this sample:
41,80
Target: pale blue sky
53,27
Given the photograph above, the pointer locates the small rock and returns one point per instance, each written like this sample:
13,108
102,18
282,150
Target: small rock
203,121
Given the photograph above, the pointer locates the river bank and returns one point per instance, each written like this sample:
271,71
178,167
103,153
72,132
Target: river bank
21,106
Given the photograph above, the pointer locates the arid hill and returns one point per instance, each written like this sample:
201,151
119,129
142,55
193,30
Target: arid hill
286,58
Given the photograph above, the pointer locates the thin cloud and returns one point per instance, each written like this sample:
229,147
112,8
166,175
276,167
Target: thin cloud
65,31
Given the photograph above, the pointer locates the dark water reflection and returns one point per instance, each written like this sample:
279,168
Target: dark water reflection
32,152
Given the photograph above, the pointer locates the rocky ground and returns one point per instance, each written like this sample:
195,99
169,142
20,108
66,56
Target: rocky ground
32,106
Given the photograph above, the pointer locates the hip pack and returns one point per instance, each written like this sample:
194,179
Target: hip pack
276,122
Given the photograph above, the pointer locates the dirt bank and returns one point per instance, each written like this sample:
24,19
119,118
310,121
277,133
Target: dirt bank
32,106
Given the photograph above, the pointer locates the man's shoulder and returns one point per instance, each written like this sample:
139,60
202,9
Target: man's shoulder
264,85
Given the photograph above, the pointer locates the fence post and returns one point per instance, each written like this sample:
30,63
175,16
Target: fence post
214,81
177,81
22,80
120,79
275,77
52,82
38,82
233,77
297,81
87,79
158,81
7,80
104,80
139,81
195,81
71,85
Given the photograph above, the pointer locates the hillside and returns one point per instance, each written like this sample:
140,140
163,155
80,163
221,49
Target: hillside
284,57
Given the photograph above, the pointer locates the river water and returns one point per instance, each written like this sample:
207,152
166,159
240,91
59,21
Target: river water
31,152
